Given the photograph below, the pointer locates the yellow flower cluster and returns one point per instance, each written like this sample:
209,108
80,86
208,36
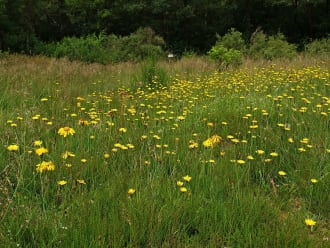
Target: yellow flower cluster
45,166
212,141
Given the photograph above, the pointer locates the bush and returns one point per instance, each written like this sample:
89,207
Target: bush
232,40
258,44
142,44
318,47
271,47
225,57
228,50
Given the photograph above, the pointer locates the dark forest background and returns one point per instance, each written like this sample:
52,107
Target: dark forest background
184,25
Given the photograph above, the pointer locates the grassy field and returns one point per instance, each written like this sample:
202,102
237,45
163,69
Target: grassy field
98,156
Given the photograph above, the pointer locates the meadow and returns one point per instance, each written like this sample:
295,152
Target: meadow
93,156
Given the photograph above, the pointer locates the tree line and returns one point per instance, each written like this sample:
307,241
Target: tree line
184,25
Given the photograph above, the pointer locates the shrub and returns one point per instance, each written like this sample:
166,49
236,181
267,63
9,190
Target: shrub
278,47
258,44
318,47
225,57
142,44
232,40
228,50
89,48
271,47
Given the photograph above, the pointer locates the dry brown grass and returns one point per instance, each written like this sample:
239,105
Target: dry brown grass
297,62
22,69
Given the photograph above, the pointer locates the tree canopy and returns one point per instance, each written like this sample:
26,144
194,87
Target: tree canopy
184,25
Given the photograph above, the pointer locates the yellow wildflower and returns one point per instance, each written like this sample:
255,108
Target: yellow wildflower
260,152
65,131
187,178
41,151
131,191
282,173
67,154
179,183
313,180
81,181
37,143
310,222
122,130
62,182
13,147
83,122
45,166
183,189
208,143
274,154
192,144
250,157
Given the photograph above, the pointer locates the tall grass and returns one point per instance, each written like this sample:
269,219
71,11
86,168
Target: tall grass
237,158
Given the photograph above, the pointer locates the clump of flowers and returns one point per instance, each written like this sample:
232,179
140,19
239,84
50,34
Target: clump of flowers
83,122
45,166
180,184
67,154
212,141
192,144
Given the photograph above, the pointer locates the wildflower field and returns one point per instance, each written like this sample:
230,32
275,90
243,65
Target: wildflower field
92,157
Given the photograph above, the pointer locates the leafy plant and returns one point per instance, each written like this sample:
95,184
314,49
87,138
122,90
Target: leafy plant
225,57
319,46
232,39
228,49
258,44
142,44
275,46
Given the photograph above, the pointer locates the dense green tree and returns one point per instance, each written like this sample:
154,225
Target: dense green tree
185,25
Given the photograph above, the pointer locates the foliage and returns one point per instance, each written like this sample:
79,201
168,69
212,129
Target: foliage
228,49
258,44
318,47
225,57
89,48
271,47
142,44
185,25
232,39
